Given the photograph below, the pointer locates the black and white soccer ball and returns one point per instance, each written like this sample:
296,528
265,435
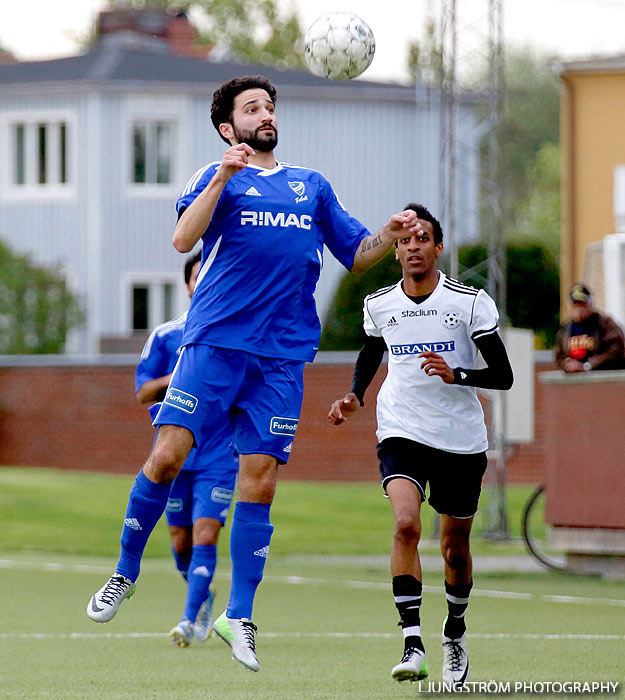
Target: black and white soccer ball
339,46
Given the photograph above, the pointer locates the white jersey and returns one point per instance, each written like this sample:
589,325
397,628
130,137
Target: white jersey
410,403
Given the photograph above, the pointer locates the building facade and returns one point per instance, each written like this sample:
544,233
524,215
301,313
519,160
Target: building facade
593,182
95,149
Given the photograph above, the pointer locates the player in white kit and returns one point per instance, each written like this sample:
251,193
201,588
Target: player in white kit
430,426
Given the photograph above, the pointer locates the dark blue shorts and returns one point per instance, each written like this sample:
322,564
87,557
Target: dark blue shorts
259,399
201,494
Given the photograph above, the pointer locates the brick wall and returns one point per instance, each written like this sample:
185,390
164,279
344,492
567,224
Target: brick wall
85,418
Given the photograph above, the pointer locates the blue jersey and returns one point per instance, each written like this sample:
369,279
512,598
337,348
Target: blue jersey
261,258
160,352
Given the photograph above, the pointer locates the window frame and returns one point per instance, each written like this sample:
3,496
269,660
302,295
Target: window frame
152,112
32,189
156,283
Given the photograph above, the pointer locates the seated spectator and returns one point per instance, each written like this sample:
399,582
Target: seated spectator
589,340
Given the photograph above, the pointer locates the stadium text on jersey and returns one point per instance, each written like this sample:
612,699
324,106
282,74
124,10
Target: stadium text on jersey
419,312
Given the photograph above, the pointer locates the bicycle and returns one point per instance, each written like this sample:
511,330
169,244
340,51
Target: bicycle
535,534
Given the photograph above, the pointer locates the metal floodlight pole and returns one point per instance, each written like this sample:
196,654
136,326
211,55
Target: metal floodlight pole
455,34
496,259
447,130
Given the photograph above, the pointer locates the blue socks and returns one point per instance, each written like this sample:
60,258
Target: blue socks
249,546
182,559
146,504
201,570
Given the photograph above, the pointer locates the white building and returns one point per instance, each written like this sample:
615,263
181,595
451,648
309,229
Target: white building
94,150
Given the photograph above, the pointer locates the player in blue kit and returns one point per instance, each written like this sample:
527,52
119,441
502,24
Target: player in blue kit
201,493
251,327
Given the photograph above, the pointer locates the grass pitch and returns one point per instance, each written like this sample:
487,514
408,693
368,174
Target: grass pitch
327,625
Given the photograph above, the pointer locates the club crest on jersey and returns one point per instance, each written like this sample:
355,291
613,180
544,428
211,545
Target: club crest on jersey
418,348
299,188
451,319
279,218
283,426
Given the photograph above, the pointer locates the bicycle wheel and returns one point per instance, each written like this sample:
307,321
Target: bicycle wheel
535,532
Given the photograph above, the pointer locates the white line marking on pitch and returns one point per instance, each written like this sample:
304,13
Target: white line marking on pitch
310,635
304,581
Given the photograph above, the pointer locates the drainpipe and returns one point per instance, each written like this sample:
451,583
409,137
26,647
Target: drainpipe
570,201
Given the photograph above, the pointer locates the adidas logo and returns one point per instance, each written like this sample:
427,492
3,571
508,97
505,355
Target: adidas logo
263,552
392,321
287,449
132,523
224,513
201,571
253,192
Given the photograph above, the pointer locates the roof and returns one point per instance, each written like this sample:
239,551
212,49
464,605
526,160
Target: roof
123,61
127,60
594,64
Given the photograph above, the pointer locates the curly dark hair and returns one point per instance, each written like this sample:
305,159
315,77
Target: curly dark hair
424,213
223,97
189,263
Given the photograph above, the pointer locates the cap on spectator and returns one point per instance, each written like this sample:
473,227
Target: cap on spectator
580,292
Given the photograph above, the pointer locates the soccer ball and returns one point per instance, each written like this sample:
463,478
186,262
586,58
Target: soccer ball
339,46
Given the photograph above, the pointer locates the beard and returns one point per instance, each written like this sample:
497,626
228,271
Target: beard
265,142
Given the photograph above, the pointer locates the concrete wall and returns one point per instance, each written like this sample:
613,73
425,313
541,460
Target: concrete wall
84,417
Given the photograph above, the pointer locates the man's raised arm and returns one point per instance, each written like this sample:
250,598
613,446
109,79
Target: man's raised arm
373,248
197,216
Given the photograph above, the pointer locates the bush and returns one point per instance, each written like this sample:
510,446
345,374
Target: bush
532,294
36,308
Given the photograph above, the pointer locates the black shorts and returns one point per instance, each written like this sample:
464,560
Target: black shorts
455,479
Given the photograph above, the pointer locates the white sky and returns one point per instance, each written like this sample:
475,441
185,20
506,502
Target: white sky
37,29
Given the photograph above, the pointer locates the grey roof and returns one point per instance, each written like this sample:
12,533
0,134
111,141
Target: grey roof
126,61
594,64
121,62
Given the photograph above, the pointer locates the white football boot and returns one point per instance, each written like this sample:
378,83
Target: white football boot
182,634
412,667
238,634
455,661
105,603
203,627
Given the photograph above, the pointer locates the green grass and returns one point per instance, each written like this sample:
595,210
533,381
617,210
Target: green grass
81,513
327,625
325,631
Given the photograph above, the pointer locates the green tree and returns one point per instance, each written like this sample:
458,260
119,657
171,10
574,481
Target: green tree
533,296
342,329
255,31
532,285
537,215
531,118
424,58
36,308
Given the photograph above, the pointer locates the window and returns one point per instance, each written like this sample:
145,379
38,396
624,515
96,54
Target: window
152,152
153,300
39,153
168,300
140,303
